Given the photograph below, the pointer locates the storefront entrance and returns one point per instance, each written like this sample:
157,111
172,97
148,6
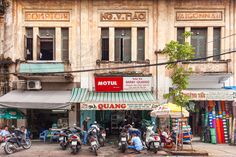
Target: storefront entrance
113,119
39,120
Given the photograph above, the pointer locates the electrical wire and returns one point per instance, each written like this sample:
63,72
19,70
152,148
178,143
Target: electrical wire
124,67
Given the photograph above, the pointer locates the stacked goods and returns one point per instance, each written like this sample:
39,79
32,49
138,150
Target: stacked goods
225,128
213,135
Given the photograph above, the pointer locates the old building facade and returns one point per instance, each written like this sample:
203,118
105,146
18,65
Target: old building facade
50,40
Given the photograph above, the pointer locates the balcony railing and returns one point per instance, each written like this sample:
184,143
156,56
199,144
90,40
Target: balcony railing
42,70
128,71
222,66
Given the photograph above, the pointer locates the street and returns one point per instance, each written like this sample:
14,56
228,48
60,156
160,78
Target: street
40,149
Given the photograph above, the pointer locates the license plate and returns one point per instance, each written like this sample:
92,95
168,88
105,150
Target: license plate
93,143
156,144
123,139
61,138
74,143
103,135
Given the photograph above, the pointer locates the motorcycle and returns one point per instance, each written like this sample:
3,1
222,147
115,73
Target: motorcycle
123,140
75,142
94,144
15,142
64,138
4,140
153,140
101,136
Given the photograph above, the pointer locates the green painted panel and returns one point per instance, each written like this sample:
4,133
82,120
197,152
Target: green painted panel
41,67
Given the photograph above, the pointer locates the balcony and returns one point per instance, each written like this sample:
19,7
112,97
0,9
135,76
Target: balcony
208,74
45,71
140,71
204,67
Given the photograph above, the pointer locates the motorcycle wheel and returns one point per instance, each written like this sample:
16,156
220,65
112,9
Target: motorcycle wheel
63,146
123,148
95,152
102,142
154,148
27,144
147,145
7,148
73,151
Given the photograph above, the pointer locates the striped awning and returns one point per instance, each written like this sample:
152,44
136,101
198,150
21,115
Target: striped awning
82,95
91,100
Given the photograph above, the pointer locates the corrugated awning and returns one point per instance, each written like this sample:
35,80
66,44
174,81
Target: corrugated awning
92,100
36,99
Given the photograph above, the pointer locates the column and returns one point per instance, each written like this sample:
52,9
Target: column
35,43
209,43
58,53
73,114
134,44
111,44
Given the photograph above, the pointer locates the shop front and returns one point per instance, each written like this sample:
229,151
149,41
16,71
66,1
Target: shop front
211,114
41,110
116,99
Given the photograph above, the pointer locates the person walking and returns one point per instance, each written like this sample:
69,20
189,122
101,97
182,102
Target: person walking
85,129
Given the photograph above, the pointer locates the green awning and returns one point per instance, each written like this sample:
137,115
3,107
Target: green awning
11,114
92,100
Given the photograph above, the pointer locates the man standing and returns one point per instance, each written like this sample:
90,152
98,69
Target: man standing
136,143
85,129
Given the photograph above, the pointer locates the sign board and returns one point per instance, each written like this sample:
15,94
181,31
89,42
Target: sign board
118,84
47,15
228,95
121,106
123,15
108,84
137,84
199,15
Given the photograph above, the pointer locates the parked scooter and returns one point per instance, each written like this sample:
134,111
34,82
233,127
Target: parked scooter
93,140
101,134
64,138
16,141
75,141
153,140
123,140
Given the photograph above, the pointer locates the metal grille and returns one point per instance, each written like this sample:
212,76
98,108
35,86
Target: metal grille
216,43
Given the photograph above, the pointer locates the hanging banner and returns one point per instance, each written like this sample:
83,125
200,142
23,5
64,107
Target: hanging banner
126,84
217,94
118,106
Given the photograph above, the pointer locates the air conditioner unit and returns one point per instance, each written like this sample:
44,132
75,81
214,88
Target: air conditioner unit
33,85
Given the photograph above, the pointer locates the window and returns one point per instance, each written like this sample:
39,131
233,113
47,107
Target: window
140,44
180,37
29,44
199,41
216,43
105,43
46,44
65,44
123,44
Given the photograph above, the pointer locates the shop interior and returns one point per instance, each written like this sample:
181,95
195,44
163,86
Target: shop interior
39,120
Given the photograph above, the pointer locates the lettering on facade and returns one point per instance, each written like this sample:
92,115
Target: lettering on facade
46,16
199,16
124,16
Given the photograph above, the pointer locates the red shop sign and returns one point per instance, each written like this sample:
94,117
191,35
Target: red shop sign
108,84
